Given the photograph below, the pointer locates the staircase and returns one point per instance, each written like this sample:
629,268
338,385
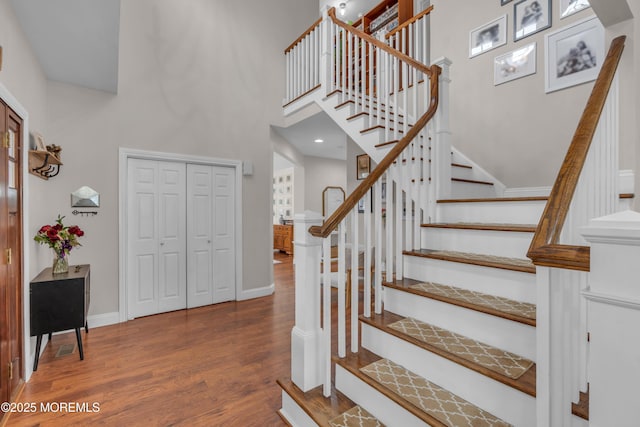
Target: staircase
448,329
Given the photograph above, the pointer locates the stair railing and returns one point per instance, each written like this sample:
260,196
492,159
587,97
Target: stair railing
381,217
412,37
586,188
302,60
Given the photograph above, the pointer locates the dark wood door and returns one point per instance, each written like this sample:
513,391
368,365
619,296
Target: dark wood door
11,336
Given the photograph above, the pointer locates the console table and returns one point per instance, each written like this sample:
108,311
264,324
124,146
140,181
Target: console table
59,302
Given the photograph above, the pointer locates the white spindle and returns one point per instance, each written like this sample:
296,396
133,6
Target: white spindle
342,310
326,315
379,225
367,254
355,246
372,93
399,219
389,228
363,75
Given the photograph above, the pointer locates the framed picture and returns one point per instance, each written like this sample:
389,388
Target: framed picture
332,198
569,7
488,36
515,64
574,54
363,166
503,2
530,16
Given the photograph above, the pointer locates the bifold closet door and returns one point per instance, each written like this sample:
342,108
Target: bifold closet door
156,234
211,248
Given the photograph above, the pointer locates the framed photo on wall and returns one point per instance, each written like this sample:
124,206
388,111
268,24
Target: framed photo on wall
363,166
515,64
530,16
569,7
574,54
488,36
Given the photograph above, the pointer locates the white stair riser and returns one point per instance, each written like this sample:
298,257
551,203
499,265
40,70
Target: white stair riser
514,285
506,334
500,243
463,173
494,397
296,416
377,404
462,190
528,212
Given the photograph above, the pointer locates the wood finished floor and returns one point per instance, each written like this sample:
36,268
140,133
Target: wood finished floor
210,366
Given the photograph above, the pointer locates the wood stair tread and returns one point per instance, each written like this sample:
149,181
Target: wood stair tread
472,300
505,263
460,165
364,363
525,383
581,408
471,181
523,228
495,199
321,409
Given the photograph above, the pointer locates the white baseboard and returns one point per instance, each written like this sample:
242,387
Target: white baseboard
527,192
104,319
257,293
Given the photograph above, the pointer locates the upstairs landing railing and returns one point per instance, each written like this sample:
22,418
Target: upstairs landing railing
586,188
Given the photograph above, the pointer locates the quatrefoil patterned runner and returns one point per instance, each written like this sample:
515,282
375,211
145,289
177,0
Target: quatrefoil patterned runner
441,404
355,417
505,305
500,361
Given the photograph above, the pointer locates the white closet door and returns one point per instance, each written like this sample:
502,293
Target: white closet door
172,231
211,237
156,215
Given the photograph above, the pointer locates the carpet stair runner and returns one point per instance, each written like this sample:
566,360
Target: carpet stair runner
506,263
500,365
424,399
490,304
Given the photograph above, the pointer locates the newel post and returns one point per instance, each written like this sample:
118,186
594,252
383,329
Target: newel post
325,50
614,319
306,335
441,144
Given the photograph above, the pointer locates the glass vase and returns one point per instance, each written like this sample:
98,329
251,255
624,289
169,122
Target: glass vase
60,263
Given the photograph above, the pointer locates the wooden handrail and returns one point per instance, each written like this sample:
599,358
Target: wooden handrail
545,249
303,35
340,214
401,56
409,22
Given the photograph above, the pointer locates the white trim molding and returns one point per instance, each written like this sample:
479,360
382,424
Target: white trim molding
17,107
264,291
612,300
129,153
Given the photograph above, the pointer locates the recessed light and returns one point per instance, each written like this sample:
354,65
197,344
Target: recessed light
319,141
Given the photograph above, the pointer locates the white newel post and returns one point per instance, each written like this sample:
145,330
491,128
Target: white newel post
306,336
614,319
441,144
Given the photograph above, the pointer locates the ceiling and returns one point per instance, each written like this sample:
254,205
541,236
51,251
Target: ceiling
76,41
319,126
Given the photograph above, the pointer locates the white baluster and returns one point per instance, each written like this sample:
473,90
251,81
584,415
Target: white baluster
399,220
389,263
355,246
367,254
326,315
379,226
342,313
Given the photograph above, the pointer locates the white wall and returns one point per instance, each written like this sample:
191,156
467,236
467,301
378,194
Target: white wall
202,78
515,130
319,174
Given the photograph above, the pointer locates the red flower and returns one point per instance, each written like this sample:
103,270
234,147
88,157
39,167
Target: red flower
74,229
44,229
58,227
52,234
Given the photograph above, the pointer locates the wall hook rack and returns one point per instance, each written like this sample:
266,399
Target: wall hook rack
84,213
44,164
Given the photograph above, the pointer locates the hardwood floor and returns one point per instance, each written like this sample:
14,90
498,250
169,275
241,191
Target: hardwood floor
210,366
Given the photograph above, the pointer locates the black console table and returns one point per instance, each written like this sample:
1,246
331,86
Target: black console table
59,302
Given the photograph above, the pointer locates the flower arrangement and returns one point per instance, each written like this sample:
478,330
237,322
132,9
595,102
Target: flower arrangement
61,239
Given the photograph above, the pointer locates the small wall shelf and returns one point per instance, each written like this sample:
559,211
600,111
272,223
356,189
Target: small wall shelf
43,164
